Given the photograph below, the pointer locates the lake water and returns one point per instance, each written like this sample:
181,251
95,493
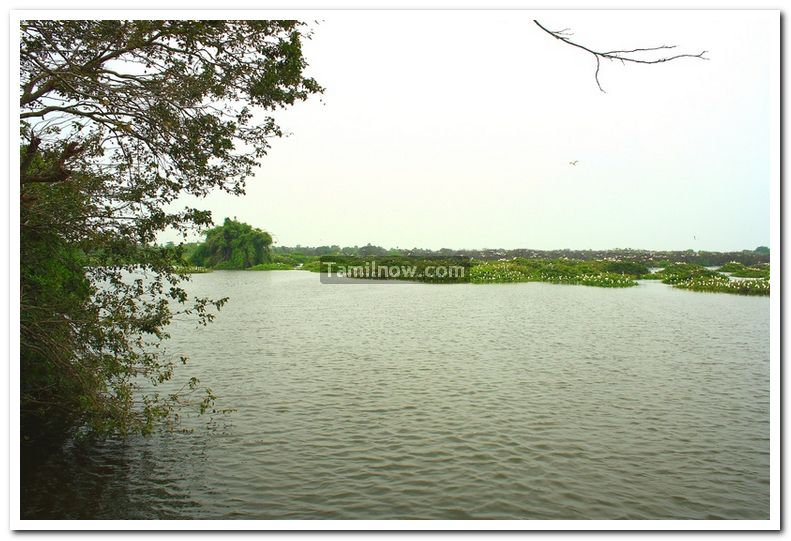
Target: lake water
414,401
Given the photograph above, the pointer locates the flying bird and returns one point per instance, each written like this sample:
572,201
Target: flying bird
575,162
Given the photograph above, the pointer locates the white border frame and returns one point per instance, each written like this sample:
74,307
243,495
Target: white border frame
773,523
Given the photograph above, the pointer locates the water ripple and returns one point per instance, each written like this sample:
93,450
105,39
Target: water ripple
519,401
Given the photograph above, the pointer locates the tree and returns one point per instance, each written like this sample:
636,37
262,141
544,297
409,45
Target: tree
763,250
623,56
233,245
370,249
119,119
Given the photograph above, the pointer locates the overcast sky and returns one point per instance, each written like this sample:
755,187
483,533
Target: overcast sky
456,129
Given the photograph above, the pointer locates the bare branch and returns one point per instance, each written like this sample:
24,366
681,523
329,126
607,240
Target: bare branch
622,55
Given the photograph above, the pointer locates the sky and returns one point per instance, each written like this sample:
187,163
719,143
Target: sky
455,129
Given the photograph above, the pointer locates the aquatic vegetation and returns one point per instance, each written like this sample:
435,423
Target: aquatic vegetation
192,270
313,265
761,270
272,266
607,279
751,272
593,273
499,272
682,272
721,284
697,278
590,273
731,266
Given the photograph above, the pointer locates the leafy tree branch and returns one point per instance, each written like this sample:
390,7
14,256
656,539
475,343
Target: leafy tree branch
118,120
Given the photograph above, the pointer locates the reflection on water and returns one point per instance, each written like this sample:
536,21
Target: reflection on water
512,401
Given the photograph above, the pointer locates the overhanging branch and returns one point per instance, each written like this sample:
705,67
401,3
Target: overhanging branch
622,55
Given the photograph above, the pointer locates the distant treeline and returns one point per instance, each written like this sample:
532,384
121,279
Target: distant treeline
236,245
651,258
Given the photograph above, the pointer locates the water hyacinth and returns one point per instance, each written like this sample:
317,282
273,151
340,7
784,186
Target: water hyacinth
721,284
594,273
192,270
546,271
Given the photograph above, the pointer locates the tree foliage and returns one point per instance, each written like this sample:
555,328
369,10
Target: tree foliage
118,120
233,245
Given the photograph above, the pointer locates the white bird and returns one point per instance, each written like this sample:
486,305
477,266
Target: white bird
575,162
